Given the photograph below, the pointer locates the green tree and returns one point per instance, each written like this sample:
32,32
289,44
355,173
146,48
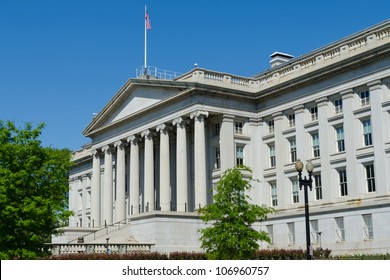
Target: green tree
231,235
33,191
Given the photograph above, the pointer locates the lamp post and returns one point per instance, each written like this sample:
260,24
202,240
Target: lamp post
305,183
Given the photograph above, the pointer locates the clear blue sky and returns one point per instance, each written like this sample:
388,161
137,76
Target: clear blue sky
62,60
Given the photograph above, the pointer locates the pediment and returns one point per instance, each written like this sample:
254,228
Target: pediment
130,100
139,99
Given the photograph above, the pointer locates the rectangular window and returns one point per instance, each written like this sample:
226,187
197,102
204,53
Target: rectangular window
370,177
340,231
217,158
293,150
318,186
291,120
365,97
239,155
338,106
274,194
291,233
272,156
314,231
217,129
270,231
367,136
340,139
271,126
368,229
238,127
295,191
314,113
316,144
343,182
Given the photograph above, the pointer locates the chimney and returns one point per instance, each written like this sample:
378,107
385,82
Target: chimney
278,58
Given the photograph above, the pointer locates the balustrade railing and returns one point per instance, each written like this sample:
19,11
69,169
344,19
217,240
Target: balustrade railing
89,248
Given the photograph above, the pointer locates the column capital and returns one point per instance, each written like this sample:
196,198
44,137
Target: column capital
299,109
199,114
120,145
179,122
147,134
133,140
95,153
373,85
348,93
107,149
277,116
163,128
256,121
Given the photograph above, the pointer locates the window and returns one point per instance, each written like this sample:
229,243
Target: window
293,150
238,127
343,182
316,145
340,231
314,231
340,139
89,199
270,231
314,113
217,164
295,191
365,97
271,126
291,120
274,194
367,132
368,229
318,186
272,156
370,177
239,155
291,233
338,106
217,129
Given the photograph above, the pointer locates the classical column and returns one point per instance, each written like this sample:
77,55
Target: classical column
120,204
148,171
200,158
108,184
165,196
181,165
95,190
134,174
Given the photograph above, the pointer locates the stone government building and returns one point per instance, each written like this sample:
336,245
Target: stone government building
159,146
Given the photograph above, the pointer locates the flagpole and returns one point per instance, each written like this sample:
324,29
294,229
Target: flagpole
145,65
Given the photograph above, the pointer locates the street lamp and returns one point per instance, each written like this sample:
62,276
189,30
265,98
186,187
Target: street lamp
305,183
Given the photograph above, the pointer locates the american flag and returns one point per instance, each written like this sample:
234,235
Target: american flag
147,21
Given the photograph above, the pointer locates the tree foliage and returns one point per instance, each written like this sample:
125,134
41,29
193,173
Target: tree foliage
231,235
33,191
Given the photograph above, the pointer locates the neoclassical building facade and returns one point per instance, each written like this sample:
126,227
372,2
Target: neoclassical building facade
159,146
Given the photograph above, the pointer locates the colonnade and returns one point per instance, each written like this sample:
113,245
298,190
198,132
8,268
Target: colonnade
102,187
